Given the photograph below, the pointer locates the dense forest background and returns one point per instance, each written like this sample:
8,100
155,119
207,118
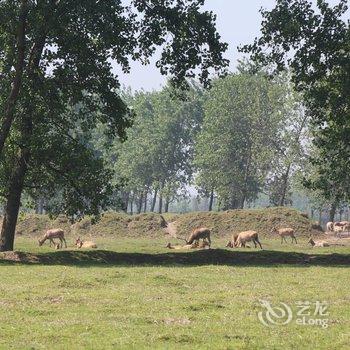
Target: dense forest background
246,142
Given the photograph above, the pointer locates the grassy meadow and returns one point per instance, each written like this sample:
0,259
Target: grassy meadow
135,294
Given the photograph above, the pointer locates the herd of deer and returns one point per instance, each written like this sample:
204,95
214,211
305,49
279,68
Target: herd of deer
338,226
238,240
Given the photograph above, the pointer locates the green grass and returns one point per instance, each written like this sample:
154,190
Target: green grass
138,295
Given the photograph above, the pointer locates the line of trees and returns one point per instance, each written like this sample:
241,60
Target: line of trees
245,136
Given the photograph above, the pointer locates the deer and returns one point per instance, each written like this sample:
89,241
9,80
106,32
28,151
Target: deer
197,234
51,234
323,243
285,232
240,239
232,243
330,226
85,244
194,245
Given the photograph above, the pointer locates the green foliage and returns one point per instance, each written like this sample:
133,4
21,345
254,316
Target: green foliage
234,150
315,44
158,152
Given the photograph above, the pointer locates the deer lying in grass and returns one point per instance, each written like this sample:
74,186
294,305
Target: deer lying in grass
194,245
285,232
323,243
85,244
240,239
232,243
199,233
51,234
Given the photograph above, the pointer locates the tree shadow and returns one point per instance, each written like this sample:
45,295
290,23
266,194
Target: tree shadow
265,258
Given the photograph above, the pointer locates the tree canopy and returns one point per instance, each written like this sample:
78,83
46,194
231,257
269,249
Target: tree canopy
57,84
314,42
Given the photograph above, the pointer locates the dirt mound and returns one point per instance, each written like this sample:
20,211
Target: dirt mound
150,224
261,220
111,223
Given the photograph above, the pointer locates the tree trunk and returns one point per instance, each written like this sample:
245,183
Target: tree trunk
284,186
13,202
332,212
125,202
154,200
246,175
161,198
160,203
320,216
139,207
166,207
211,200
145,202
17,82
16,183
132,204
39,208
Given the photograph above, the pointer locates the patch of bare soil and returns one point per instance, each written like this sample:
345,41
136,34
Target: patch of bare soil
171,229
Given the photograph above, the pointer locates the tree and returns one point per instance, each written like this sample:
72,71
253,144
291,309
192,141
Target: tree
157,156
315,45
57,84
236,144
291,146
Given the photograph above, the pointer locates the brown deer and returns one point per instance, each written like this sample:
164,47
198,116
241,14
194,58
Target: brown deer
285,232
199,233
240,239
51,234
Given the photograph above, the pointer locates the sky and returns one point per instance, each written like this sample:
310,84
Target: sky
238,22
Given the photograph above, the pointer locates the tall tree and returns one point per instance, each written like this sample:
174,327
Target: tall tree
68,48
236,144
291,146
314,41
157,155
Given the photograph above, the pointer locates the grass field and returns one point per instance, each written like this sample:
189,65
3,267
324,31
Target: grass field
135,294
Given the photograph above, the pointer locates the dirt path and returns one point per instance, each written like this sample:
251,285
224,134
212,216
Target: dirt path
171,229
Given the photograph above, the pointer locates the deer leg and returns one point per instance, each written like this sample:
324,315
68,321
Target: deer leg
254,243
259,243
65,243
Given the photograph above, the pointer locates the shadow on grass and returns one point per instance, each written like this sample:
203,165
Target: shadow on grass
264,258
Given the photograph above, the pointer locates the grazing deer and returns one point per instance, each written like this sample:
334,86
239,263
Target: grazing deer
199,233
51,234
240,240
285,232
